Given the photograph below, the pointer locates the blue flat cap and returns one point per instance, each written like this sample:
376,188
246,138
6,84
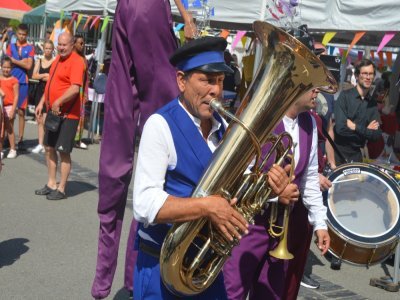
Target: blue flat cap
205,54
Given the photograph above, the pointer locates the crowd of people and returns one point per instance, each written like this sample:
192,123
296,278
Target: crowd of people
164,98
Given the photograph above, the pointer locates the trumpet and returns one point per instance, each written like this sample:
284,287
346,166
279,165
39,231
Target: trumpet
281,251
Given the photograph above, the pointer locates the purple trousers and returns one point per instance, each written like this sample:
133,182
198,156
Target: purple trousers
252,271
140,81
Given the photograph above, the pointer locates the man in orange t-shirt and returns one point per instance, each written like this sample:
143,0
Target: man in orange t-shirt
61,97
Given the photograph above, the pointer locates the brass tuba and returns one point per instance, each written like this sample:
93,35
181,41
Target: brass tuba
193,253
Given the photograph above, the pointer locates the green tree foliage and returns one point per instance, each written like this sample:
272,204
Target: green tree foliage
14,23
34,3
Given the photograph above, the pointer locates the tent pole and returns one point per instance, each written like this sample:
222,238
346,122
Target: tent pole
101,47
43,29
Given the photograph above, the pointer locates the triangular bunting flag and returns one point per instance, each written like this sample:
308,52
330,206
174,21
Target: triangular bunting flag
238,37
94,22
224,33
87,22
78,21
386,39
389,59
105,23
355,40
327,37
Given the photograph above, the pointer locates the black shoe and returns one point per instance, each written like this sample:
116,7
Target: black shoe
56,195
336,263
44,191
308,282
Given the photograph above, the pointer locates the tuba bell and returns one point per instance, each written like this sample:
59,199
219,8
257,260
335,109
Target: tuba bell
193,253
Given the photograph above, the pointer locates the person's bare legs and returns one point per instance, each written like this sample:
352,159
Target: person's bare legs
65,170
9,127
40,122
51,158
21,124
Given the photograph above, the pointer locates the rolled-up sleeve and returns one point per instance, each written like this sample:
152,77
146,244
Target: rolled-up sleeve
311,194
154,159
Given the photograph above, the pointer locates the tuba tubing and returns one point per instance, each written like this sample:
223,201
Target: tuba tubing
193,253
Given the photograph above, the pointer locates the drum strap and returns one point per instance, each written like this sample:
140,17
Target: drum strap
335,148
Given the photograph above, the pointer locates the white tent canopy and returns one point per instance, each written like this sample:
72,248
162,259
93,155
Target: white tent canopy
356,15
91,7
360,15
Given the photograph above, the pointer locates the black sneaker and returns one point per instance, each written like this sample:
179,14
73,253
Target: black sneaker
56,195
44,191
308,282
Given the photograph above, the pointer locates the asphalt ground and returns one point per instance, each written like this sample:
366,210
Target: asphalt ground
48,249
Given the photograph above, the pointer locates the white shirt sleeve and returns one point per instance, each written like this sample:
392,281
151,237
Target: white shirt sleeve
312,196
156,155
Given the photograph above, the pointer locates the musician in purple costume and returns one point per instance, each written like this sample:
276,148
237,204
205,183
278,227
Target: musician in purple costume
250,270
140,81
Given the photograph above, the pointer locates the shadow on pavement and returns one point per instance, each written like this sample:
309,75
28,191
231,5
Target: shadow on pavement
122,294
11,250
75,188
312,260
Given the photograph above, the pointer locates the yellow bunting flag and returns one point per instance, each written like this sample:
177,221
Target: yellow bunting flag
78,21
105,23
355,40
182,37
224,33
244,40
327,37
87,22
389,59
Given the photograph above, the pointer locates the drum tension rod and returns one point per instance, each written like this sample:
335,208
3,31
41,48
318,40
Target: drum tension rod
341,254
372,256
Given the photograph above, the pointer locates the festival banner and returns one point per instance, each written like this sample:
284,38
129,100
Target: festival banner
386,39
244,41
327,37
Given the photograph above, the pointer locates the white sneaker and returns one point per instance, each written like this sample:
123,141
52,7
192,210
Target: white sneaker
38,149
12,154
82,145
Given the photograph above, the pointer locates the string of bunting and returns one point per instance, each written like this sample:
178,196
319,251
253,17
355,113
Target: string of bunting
91,21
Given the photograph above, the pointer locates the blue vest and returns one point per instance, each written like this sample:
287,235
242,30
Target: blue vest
193,156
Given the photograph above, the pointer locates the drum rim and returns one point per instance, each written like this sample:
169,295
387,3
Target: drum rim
346,234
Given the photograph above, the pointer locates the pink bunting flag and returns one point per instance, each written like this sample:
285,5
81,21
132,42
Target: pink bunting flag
238,38
386,39
94,22
74,17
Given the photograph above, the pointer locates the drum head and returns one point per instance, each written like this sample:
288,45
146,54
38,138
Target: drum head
363,204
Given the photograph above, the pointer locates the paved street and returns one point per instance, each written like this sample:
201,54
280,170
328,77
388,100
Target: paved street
48,249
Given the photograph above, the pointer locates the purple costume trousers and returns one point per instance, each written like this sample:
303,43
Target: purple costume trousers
251,270
140,81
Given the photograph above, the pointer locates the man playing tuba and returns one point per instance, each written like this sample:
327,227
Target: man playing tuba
176,146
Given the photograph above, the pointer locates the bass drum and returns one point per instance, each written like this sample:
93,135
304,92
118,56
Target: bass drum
363,214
